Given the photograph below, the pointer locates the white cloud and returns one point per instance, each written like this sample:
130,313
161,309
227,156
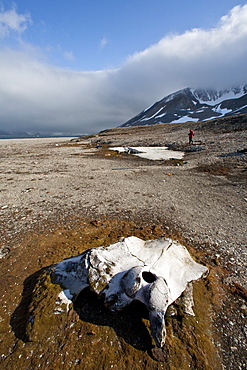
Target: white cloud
103,42
11,21
69,56
202,58
35,95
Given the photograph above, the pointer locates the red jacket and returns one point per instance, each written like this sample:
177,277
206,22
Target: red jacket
191,133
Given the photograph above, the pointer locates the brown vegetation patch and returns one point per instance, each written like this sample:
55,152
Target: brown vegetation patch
236,172
218,169
89,335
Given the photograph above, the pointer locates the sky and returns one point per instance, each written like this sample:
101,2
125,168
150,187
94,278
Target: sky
82,66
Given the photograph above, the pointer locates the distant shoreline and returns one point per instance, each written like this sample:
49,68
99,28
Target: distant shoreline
36,137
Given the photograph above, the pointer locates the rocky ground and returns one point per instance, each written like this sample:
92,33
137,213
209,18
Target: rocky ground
61,196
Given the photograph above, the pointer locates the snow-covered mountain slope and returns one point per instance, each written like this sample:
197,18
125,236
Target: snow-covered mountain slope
193,105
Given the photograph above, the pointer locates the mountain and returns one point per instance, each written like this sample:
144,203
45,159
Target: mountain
14,135
193,105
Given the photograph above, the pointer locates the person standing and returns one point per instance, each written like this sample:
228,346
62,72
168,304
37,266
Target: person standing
191,135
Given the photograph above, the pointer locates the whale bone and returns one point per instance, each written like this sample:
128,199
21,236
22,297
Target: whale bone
156,272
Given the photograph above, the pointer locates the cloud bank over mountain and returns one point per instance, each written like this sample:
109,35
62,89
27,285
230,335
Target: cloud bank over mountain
35,95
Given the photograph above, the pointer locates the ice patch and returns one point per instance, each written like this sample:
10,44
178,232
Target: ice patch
153,153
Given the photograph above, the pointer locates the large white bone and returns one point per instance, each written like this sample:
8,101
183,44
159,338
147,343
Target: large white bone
155,272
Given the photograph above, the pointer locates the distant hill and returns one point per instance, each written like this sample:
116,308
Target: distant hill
26,135
193,105
4,133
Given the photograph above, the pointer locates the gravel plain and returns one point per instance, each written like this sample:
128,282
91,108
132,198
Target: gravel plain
205,197
201,199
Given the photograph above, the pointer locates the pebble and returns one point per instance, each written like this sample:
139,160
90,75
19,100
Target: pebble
4,251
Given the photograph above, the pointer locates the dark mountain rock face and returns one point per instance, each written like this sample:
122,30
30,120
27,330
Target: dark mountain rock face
193,105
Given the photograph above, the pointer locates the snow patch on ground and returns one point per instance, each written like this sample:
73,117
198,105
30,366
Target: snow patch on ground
153,153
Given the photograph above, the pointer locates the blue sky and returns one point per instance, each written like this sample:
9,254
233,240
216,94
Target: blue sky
82,66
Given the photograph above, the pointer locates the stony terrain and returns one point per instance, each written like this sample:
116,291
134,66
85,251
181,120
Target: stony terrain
60,197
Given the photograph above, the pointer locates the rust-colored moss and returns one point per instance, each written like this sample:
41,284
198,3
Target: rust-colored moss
89,336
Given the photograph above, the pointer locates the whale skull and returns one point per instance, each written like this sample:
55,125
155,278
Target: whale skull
156,272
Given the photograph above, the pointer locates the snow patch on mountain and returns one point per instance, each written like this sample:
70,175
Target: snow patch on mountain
185,119
223,111
145,119
193,105
213,97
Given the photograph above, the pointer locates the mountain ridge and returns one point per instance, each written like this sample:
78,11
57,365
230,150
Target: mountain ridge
194,105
